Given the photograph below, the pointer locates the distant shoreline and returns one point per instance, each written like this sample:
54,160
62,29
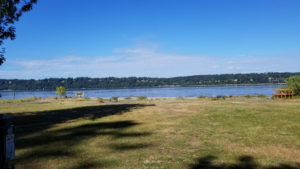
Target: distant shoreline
86,83
169,86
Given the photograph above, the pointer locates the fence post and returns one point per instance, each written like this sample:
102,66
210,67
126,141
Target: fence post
7,142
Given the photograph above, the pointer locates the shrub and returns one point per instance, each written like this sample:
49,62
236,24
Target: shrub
127,98
293,83
221,97
262,96
141,98
201,97
248,96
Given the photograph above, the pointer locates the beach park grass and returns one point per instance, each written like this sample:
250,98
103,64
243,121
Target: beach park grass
175,133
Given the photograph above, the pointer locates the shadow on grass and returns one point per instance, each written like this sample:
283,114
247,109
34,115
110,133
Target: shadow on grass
243,162
32,134
90,164
73,135
26,123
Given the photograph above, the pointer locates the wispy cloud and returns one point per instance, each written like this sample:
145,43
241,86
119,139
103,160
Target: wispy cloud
144,60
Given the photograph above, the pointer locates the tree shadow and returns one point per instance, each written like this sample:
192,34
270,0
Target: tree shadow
41,146
73,135
243,162
91,164
32,134
130,146
26,123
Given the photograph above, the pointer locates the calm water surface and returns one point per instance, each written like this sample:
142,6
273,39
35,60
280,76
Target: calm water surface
155,92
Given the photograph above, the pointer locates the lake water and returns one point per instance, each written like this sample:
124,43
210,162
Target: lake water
154,92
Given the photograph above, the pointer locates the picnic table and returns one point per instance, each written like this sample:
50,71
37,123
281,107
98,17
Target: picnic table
283,94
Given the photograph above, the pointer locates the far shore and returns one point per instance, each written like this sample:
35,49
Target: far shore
169,86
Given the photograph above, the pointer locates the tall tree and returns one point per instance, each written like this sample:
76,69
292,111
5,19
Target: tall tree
10,12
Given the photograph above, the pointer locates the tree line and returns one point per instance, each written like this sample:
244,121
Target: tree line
139,82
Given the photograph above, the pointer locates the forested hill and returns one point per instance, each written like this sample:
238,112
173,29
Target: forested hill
137,82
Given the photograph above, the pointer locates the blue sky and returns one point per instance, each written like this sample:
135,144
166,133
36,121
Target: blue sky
156,38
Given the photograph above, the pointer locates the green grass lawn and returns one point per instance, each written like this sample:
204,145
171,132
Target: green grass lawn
164,133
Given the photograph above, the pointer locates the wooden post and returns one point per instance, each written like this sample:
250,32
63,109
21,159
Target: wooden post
7,142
